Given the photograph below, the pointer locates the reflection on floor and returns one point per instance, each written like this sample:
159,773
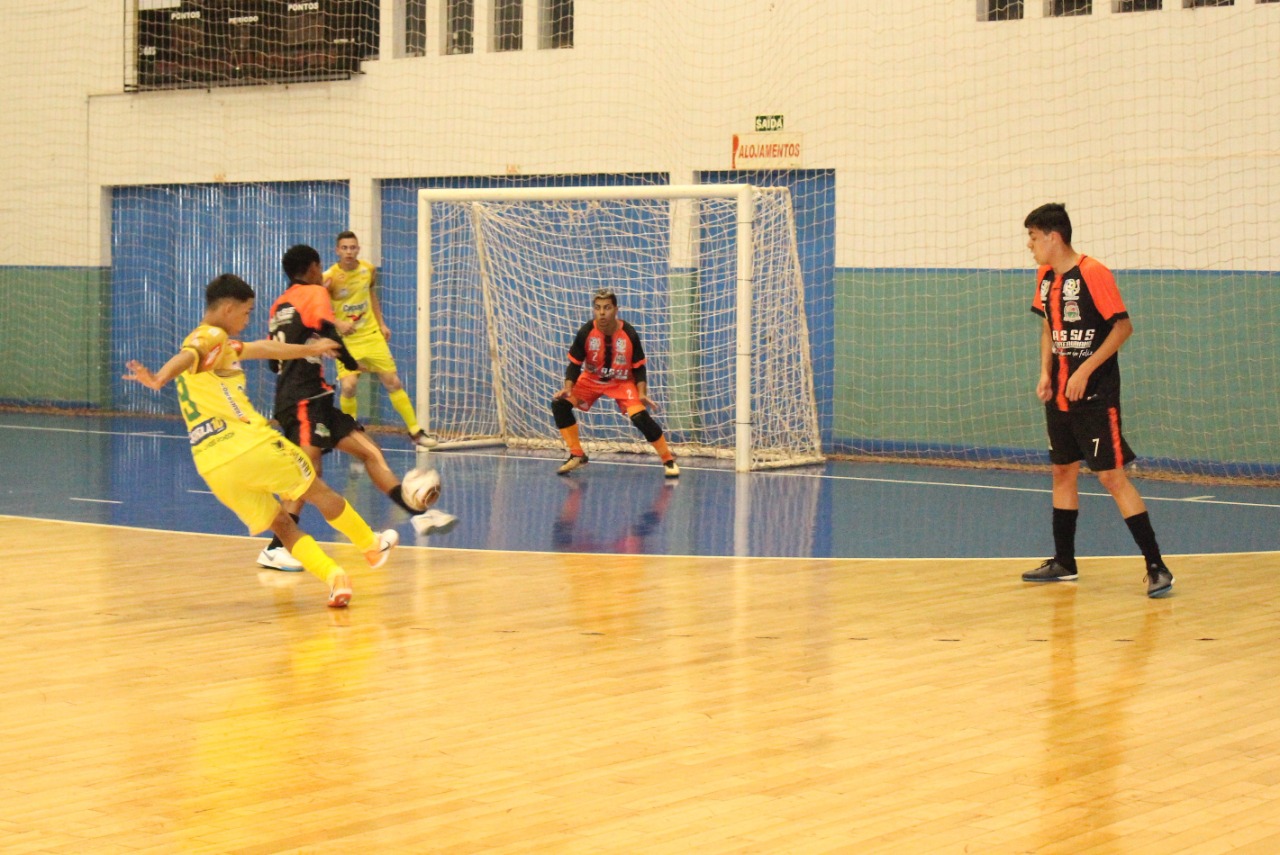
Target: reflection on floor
137,472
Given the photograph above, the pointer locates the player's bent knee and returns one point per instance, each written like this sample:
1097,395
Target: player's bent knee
647,426
562,410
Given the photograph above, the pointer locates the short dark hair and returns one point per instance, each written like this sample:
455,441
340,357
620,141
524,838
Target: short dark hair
228,286
347,235
1050,218
297,259
605,294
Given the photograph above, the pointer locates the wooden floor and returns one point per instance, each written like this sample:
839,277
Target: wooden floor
160,697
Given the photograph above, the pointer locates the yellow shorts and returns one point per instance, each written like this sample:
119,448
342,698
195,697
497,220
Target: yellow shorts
372,352
250,483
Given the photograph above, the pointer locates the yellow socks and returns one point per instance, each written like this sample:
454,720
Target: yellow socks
354,527
314,559
400,400
350,406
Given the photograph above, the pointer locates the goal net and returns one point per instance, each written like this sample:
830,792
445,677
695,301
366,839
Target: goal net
708,275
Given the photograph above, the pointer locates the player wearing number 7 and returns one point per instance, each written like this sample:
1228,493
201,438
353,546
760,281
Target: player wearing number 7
1085,324
245,462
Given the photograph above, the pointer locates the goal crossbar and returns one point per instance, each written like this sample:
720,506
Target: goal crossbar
741,196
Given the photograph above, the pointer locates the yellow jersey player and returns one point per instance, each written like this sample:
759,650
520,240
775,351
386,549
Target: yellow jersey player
244,461
352,285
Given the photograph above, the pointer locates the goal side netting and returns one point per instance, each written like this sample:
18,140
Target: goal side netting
708,274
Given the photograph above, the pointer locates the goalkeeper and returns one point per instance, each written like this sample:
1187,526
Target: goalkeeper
606,358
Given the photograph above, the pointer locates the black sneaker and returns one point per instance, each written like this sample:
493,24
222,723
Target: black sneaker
1159,581
1050,571
670,469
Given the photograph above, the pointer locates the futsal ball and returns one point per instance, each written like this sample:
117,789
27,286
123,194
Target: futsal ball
420,488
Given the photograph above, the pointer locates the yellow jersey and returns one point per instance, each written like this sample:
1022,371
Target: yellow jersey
221,422
350,294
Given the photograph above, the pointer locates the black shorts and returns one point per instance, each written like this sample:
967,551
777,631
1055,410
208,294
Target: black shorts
1091,434
316,422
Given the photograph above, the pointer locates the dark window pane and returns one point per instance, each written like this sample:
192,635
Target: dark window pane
415,27
461,23
557,24
1004,10
508,25
1066,8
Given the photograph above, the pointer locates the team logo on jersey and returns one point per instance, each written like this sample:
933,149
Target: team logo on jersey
205,429
282,317
1071,312
1045,285
1071,289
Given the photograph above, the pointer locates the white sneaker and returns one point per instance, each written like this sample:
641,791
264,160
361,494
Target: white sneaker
279,559
433,522
422,439
387,541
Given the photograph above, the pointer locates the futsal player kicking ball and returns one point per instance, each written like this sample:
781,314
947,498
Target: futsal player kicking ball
1085,323
243,460
606,358
304,401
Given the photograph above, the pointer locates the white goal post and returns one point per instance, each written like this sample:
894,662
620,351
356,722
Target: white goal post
709,275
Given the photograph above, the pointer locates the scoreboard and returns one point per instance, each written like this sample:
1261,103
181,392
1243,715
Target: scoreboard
199,43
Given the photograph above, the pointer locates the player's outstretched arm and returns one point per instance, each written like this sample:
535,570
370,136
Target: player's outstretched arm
178,363
271,349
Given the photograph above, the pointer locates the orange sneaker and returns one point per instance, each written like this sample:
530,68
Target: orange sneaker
339,591
387,541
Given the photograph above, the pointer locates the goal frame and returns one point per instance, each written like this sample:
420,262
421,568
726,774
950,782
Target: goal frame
741,194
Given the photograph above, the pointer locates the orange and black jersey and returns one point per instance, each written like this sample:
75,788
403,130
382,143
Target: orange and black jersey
300,314
1081,306
610,357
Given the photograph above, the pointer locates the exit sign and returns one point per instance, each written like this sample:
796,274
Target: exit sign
768,123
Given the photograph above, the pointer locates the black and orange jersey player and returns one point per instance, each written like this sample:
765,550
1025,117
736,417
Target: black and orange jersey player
304,404
302,314
607,359
1084,324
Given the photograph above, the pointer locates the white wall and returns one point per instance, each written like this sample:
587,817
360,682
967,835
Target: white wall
1160,130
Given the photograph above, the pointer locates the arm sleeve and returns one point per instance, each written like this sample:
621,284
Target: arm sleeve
317,314
208,346
577,354
638,360
330,331
1037,304
1103,290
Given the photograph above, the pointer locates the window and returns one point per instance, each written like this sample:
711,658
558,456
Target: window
1136,6
352,26
459,26
556,24
415,27
1001,10
1195,4
508,25
1067,8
